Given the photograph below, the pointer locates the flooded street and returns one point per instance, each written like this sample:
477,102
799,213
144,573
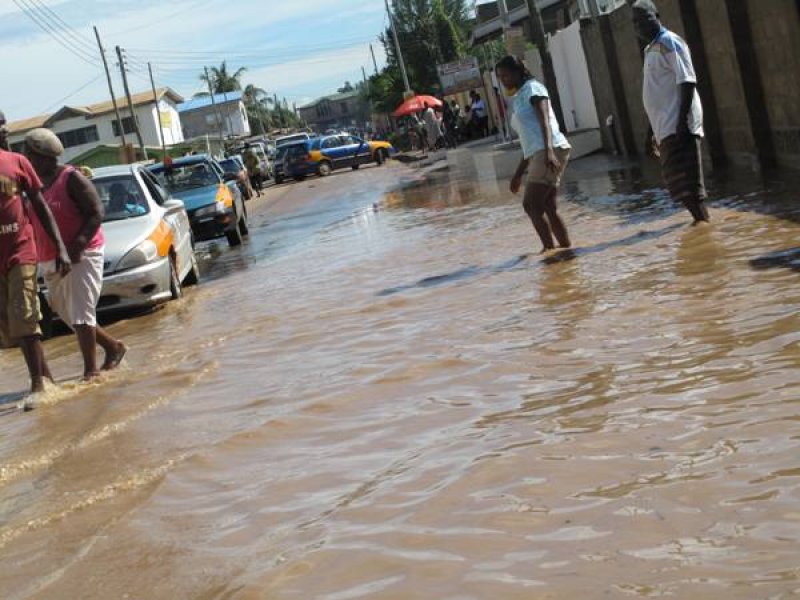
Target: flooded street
387,394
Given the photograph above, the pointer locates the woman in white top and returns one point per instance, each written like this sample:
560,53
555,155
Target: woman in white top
545,151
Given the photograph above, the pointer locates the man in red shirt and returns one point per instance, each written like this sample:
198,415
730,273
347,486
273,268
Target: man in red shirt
19,300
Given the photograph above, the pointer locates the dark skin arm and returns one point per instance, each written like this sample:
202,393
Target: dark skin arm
650,145
48,223
687,96
542,107
84,194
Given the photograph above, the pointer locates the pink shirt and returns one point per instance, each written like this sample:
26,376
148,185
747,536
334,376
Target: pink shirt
17,245
67,216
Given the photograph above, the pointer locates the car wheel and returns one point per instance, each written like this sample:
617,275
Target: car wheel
174,279
380,157
324,168
278,180
193,278
355,167
243,226
234,236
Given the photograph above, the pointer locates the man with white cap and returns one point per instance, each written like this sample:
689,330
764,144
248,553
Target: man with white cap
78,212
19,301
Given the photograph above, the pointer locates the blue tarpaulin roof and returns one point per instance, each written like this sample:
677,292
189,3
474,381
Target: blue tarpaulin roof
204,101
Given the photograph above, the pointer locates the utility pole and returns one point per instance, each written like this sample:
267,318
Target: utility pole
539,38
408,93
111,88
158,114
374,62
124,71
366,87
278,108
216,109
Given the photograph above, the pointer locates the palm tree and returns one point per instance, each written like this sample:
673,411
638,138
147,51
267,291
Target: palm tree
221,80
257,101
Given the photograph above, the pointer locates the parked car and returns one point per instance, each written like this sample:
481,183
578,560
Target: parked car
324,154
213,200
280,160
234,165
148,252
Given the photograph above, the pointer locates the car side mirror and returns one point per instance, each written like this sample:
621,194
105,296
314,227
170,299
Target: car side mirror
173,205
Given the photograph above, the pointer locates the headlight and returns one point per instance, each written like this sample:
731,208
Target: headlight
211,209
144,253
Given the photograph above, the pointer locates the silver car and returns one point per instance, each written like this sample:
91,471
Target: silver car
149,253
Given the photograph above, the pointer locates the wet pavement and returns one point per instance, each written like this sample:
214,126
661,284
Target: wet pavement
386,393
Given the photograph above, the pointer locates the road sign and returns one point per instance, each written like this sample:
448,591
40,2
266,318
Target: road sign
460,76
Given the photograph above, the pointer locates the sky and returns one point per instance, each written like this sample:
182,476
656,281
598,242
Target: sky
298,49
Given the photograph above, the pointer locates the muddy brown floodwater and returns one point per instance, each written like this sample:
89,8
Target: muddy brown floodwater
402,401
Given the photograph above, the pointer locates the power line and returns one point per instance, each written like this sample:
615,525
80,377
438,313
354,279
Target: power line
78,37
71,94
51,31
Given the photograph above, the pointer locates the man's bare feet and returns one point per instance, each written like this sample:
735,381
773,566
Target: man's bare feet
113,359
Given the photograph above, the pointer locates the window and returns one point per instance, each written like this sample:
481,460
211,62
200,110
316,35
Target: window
212,119
344,108
78,137
156,191
331,142
128,126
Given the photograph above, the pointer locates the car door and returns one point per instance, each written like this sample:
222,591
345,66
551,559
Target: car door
363,151
352,147
176,219
332,149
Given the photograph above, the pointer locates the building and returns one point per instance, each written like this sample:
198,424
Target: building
556,15
337,111
750,89
82,128
226,114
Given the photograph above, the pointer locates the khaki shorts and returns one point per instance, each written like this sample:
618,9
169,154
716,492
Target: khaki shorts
538,171
19,305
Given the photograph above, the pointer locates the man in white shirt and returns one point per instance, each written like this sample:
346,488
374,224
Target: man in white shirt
674,109
479,114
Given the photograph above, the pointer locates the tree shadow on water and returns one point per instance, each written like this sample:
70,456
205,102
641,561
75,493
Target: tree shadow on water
517,262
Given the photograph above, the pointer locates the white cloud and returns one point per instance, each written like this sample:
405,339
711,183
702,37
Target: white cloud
45,71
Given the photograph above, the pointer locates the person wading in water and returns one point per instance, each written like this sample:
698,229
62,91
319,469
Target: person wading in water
545,151
78,212
674,109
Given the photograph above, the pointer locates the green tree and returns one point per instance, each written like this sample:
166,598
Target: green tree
221,80
430,32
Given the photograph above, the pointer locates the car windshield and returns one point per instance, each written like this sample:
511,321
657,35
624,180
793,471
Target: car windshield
229,165
122,197
187,177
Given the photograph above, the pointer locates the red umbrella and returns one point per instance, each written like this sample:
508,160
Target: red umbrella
415,105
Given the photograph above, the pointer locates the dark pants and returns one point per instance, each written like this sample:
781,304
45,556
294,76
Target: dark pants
682,167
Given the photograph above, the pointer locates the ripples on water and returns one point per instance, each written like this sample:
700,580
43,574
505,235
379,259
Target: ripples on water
408,403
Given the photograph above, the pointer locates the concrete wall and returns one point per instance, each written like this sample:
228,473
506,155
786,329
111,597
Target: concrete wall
776,37
775,30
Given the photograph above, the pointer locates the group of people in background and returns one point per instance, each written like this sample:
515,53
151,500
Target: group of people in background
50,224
446,126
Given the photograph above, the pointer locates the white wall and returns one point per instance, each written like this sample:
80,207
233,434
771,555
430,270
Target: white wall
572,73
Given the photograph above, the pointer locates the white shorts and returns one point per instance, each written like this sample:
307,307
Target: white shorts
75,296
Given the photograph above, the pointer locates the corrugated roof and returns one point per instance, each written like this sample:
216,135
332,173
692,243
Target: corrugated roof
92,110
204,101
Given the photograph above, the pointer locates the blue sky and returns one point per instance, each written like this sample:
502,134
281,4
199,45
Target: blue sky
299,49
